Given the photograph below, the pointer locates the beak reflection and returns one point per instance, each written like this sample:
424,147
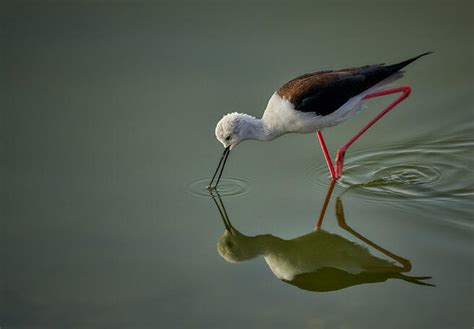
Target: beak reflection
220,206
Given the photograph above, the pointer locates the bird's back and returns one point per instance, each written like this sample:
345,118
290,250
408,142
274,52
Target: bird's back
325,91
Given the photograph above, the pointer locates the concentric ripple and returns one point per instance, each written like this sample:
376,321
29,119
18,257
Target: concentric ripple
439,170
228,187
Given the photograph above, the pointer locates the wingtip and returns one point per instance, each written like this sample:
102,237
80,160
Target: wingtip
411,60
421,55
425,53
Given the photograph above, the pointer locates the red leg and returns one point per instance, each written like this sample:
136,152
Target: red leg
405,90
326,155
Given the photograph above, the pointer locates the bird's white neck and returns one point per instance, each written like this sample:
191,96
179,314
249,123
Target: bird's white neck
257,129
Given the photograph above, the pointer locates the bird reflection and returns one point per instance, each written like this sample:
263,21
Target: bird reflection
318,261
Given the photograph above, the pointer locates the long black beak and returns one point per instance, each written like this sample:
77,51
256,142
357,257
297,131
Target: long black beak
222,211
220,166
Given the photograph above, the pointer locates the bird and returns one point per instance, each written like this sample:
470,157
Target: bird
318,261
310,103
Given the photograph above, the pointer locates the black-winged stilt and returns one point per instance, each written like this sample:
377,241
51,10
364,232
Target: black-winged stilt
311,102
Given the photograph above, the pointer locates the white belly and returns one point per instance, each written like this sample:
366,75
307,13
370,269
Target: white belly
281,117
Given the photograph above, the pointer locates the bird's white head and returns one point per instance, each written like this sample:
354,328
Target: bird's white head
234,128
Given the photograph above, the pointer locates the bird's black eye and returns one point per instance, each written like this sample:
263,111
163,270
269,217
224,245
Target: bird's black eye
227,138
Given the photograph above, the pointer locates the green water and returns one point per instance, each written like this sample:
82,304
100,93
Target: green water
107,144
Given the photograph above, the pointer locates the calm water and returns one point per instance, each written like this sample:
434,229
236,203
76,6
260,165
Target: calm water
107,144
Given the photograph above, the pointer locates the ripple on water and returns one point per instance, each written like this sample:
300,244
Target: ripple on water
228,187
436,170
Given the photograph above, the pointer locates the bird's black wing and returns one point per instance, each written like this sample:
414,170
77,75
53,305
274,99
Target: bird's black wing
325,92
327,99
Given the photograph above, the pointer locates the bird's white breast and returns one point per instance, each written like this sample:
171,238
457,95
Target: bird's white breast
280,115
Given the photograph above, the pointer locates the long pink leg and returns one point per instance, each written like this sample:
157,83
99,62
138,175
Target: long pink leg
337,172
326,155
405,90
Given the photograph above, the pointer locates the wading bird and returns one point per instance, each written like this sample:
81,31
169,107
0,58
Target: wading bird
311,102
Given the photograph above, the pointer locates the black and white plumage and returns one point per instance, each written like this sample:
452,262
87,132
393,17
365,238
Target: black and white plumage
309,103
325,92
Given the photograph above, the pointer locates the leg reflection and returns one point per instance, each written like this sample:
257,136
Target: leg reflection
341,221
325,205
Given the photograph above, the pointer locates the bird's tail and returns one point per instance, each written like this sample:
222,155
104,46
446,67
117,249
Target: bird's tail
399,66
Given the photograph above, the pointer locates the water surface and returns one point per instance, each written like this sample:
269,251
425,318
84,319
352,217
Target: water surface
107,144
